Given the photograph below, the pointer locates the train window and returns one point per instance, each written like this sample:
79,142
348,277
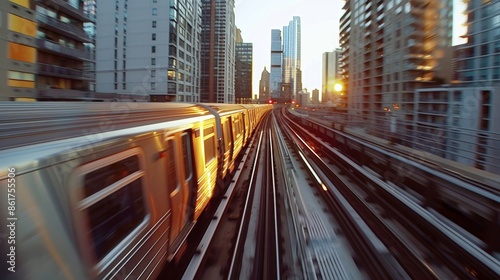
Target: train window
171,168
114,202
209,143
227,135
186,151
236,128
209,149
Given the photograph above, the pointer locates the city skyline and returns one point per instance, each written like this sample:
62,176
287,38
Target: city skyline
320,32
316,23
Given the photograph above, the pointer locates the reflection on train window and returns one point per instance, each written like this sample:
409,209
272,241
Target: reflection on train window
119,209
227,136
209,149
186,152
171,168
209,143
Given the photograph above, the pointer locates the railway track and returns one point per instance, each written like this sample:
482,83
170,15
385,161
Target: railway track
242,238
439,258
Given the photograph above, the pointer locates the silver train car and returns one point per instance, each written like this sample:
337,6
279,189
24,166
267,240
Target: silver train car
110,190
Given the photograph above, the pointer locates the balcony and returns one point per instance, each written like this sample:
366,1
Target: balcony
63,72
61,27
53,47
65,7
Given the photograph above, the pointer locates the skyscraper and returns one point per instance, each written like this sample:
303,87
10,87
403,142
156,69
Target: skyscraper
292,75
264,85
150,50
218,51
243,70
276,74
390,48
330,75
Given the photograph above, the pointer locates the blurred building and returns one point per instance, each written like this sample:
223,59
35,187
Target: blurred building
45,52
218,49
457,123
18,44
478,60
292,48
243,70
276,74
150,50
62,54
315,96
264,85
390,49
302,98
90,9
330,75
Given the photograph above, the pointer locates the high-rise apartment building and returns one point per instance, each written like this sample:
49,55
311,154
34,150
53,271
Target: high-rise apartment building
150,50
45,53
330,75
62,54
456,121
478,60
264,85
292,74
218,51
390,48
90,9
18,45
276,74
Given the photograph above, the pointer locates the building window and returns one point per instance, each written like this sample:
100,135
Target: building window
153,73
153,36
153,49
154,23
155,11
153,61
153,86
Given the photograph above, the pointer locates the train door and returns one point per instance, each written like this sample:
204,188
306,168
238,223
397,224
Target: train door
189,178
176,193
228,144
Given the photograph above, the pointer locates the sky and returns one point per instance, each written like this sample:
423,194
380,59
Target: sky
320,32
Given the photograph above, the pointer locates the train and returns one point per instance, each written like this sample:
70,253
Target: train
110,190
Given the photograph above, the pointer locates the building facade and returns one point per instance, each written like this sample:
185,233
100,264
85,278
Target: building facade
276,73
62,54
478,60
330,75
18,44
45,52
264,85
390,49
150,50
457,123
292,49
243,72
315,96
218,51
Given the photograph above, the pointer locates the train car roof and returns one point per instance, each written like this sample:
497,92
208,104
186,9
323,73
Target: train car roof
24,123
223,108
